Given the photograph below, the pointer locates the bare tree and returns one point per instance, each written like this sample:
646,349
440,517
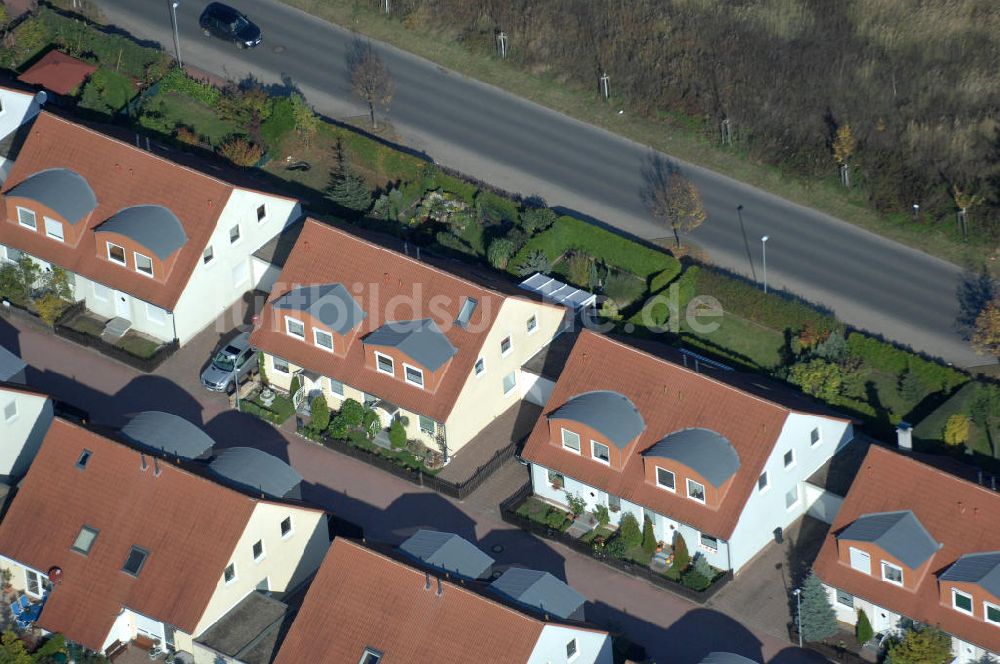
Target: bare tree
672,199
370,78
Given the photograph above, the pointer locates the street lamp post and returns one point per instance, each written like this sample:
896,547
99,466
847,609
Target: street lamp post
763,246
236,380
798,612
177,38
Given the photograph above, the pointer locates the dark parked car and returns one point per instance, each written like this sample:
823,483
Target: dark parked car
224,22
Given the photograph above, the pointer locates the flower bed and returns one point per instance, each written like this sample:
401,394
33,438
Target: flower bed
276,413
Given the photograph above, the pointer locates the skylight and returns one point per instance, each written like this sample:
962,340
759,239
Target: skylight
81,462
370,656
465,314
136,559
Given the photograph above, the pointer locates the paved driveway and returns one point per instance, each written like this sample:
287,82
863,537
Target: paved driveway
390,509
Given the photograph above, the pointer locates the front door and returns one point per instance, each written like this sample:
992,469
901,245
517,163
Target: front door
123,305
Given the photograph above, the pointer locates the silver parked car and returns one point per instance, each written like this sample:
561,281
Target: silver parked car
235,361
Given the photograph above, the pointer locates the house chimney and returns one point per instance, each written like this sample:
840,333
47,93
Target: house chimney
142,462
418,252
440,590
427,581
904,436
156,467
993,482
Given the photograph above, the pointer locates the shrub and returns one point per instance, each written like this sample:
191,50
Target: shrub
927,645
623,288
536,220
346,187
304,117
241,151
533,262
818,378
833,348
555,519
886,357
397,435
106,91
695,580
818,621
576,504
681,556
339,427
578,268
616,547
260,367
956,430
320,411
370,423
863,628
280,123
648,538
352,412
628,530
187,136
50,307
494,209
177,80
500,252
911,388
602,515
294,386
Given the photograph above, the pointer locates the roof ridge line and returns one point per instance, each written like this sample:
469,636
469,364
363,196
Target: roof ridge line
661,360
940,471
407,258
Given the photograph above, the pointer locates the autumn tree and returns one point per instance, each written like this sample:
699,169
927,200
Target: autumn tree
924,646
370,78
305,118
956,430
986,335
843,149
672,199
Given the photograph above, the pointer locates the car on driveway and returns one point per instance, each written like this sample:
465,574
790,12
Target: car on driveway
236,361
224,22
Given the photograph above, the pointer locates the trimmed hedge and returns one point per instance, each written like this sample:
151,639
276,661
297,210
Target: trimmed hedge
772,310
617,251
889,359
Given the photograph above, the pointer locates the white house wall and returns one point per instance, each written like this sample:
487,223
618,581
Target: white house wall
591,647
18,108
101,300
264,274
21,436
536,389
664,525
766,510
211,290
820,503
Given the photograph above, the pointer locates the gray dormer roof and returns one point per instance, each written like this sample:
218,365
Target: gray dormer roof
704,451
330,304
611,413
167,433
64,191
256,471
982,569
540,590
421,339
726,658
153,226
900,534
448,552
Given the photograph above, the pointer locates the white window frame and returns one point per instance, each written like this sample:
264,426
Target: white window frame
330,382
55,222
767,483
239,234
236,576
316,334
10,418
839,594
41,583
479,372
886,563
798,496
532,324
790,464
263,551
208,256
576,650
510,346
256,213
513,384
369,653
34,218
819,437
579,442
972,602
155,319
406,376
673,475
986,614
593,452
854,551
688,483
291,527
274,365
288,329
423,429
124,261
707,547
392,363
135,262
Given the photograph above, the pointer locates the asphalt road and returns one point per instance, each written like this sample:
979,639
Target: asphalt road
867,280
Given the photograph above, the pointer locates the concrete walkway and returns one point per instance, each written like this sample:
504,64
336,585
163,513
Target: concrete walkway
390,509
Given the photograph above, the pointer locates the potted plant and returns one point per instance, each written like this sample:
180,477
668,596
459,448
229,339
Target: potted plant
659,546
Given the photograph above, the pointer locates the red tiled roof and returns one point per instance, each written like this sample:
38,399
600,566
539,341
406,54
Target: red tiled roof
670,398
961,515
376,276
361,599
58,72
189,525
121,176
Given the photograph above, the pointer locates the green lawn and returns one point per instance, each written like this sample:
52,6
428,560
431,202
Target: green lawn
86,325
603,531
165,112
739,339
138,346
931,429
107,91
